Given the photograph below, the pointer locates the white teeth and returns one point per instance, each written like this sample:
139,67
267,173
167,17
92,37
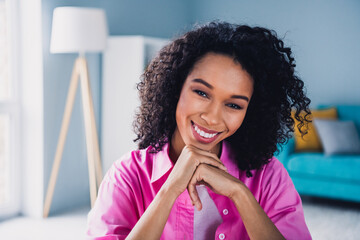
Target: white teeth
204,134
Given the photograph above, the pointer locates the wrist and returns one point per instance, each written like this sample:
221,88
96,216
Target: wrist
238,192
168,192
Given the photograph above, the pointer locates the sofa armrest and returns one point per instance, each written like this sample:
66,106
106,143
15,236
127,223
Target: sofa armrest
285,151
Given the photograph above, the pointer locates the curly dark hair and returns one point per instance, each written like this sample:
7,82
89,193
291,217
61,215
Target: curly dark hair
277,90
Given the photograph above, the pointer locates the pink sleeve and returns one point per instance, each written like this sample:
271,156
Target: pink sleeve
114,214
282,203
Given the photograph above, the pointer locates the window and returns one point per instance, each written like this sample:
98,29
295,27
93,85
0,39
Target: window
9,113
4,56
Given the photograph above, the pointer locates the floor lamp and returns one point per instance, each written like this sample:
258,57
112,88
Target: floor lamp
78,30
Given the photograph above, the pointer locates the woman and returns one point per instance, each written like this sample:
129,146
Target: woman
215,103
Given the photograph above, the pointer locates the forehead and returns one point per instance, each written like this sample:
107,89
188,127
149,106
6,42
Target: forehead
221,71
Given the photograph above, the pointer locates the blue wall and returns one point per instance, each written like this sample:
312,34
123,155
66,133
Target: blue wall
324,36
125,17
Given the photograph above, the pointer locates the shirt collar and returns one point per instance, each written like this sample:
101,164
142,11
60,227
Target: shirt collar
162,162
228,159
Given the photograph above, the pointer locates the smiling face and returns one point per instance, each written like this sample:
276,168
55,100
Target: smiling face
212,103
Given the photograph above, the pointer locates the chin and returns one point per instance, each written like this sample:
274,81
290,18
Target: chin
205,146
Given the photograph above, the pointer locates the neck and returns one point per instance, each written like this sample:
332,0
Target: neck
176,146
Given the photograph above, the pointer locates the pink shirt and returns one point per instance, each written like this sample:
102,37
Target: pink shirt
133,181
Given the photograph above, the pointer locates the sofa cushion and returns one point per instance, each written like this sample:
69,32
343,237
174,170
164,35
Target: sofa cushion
347,112
311,142
338,137
342,167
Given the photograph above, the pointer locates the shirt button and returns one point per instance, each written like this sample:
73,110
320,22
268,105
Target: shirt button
222,236
225,211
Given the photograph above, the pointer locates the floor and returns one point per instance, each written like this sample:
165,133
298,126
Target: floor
332,219
66,226
326,219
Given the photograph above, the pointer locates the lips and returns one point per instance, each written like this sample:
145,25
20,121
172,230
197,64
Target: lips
202,134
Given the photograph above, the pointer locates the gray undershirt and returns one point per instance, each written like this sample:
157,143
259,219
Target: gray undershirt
208,219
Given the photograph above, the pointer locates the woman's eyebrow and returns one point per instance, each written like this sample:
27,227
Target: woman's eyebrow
198,80
240,97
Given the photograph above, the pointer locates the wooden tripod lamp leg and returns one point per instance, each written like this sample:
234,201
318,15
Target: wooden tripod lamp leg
98,166
88,117
96,151
61,141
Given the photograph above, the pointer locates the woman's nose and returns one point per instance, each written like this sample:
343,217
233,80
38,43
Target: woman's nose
212,114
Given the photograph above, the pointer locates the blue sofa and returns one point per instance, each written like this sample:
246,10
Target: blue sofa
314,174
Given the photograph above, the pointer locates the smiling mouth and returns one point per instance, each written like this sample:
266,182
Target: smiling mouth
204,135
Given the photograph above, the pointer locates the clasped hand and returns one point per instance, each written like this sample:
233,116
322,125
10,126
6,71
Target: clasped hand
195,166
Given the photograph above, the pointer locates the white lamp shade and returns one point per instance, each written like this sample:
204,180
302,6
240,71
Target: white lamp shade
77,29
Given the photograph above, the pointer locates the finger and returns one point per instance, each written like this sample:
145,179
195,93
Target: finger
200,156
194,196
190,195
206,153
210,161
210,155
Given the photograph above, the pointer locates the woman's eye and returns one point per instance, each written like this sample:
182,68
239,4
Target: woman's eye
201,93
234,106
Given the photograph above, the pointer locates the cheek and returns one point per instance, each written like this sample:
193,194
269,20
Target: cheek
182,109
234,123
187,106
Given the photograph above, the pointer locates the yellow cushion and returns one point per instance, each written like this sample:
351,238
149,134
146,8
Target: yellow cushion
311,141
